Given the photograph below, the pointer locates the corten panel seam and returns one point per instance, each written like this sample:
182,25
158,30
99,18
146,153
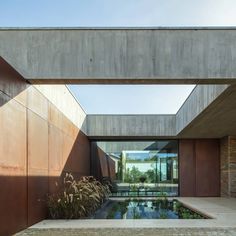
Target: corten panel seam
48,151
77,101
13,98
27,166
53,124
47,120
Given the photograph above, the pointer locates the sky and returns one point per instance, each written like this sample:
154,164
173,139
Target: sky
122,99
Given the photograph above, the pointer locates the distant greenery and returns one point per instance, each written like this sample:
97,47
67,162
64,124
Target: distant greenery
134,175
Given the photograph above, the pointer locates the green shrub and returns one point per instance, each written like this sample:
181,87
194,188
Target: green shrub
77,199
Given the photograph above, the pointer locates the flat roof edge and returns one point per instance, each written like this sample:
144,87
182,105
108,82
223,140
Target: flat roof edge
123,28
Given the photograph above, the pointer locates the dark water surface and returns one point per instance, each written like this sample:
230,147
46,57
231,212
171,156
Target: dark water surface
146,209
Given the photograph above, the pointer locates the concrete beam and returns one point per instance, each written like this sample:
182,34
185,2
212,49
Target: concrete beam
130,126
122,55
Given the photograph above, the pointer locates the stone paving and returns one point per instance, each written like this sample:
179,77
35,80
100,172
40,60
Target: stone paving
131,232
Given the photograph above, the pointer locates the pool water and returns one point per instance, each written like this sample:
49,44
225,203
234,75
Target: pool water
146,209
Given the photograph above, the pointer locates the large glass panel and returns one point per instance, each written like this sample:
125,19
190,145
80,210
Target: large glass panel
138,168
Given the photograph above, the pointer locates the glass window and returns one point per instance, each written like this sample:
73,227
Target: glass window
137,168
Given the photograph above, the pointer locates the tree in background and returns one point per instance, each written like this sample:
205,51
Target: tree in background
133,175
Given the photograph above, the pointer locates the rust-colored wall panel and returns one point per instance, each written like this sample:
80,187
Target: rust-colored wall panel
55,152
38,144
13,134
187,177
58,120
112,168
13,204
207,168
37,102
78,153
37,167
13,152
199,168
37,193
103,165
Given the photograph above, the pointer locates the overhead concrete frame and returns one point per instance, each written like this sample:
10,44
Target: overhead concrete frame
122,55
135,56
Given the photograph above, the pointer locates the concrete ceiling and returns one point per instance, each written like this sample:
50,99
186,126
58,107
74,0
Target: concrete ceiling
217,120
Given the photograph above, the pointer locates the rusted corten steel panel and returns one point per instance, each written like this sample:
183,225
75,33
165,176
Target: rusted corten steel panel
37,193
13,152
199,168
35,150
13,135
37,143
102,164
37,103
55,152
112,168
37,167
76,155
13,204
187,168
207,168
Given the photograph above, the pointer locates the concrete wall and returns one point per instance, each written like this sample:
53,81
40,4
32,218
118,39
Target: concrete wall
102,126
138,55
38,144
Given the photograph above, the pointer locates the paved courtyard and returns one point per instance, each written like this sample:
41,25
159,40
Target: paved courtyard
130,232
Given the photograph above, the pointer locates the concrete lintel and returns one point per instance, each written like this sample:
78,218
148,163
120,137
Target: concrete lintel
122,55
139,126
